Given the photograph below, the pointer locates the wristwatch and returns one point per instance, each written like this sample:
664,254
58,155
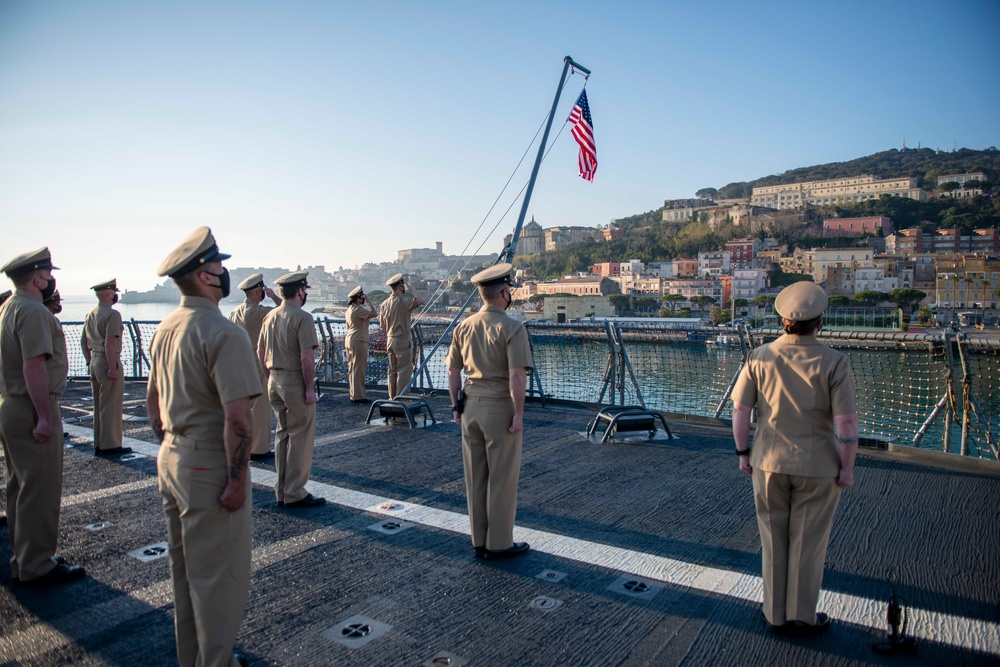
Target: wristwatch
743,452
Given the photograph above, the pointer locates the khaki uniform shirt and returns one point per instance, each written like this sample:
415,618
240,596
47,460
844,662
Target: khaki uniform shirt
487,345
28,329
798,386
250,316
394,315
101,323
199,362
357,322
286,332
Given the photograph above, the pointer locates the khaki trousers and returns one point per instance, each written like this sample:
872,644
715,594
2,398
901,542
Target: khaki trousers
400,353
795,516
260,411
34,486
295,435
357,370
492,459
209,551
108,397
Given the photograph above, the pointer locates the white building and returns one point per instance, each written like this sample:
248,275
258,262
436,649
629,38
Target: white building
748,283
714,264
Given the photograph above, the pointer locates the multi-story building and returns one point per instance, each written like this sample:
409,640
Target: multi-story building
644,284
685,267
748,283
910,241
869,278
742,251
823,258
840,190
557,238
612,233
968,281
693,287
800,261
532,239
962,179
580,286
857,226
662,269
611,269
914,241
713,264
682,210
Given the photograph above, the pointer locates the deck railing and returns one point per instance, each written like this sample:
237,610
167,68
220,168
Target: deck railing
939,391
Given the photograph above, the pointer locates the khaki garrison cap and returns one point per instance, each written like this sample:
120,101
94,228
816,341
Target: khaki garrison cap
293,279
395,280
107,284
52,299
355,292
254,281
29,261
801,301
498,273
197,249
5,295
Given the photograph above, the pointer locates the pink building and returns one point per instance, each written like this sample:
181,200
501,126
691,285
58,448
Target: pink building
610,269
857,226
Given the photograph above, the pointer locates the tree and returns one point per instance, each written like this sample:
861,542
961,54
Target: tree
620,302
838,301
907,298
871,298
923,315
949,186
719,315
762,300
702,300
671,300
684,312
378,296
707,193
645,303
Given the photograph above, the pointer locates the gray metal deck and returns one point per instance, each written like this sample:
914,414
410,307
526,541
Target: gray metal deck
643,553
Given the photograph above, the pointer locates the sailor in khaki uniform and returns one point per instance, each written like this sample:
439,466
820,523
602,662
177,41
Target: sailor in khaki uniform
495,354
102,347
202,378
34,367
394,316
803,455
360,311
250,315
287,353
54,303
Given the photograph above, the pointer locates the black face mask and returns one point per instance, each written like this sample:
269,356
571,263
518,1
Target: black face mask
509,300
305,297
114,299
49,289
223,281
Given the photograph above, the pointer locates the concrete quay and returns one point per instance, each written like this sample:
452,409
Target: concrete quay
643,553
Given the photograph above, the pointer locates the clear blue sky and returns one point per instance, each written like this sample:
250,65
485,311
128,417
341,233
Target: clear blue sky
339,132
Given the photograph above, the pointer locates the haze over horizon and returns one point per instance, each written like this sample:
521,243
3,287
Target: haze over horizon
338,133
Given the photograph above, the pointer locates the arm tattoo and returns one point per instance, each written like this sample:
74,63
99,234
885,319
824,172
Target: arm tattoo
241,455
847,442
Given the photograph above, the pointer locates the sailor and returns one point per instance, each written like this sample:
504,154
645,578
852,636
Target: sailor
102,347
287,351
395,319
33,358
6,294
494,352
201,381
250,315
802,457
360,311
54,303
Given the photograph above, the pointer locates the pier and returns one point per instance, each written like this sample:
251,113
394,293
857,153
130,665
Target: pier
643,553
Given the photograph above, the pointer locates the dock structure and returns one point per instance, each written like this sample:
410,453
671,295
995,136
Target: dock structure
643,553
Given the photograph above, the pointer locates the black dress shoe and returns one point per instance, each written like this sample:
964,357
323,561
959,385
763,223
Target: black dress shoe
359,400
60,574
240,658
309,501
773,629
262,457
480,552
802,630
511,552
3,519
112,452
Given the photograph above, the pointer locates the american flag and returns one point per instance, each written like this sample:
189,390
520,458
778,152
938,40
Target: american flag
583,132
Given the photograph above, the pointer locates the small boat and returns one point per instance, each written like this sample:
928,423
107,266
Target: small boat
723,342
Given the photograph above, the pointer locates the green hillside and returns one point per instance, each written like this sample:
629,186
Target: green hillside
924,163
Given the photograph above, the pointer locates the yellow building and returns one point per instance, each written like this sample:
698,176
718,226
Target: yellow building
822,193
968,281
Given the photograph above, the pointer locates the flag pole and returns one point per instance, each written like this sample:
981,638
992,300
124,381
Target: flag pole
507,254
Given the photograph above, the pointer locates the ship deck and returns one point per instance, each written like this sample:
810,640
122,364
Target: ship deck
642,553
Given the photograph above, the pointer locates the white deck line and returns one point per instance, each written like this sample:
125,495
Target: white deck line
974,634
